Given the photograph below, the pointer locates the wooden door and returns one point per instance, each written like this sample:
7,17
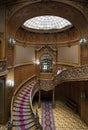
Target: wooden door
1,101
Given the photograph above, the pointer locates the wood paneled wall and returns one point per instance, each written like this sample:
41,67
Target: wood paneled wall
2,99
22,72
69,54
74,90
84,55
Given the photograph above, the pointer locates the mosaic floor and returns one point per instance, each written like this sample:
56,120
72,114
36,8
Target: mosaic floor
65,118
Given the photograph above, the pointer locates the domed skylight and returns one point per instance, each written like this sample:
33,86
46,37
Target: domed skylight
46,23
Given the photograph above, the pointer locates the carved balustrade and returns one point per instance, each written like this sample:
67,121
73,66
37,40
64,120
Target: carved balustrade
3,65
46,84
72,74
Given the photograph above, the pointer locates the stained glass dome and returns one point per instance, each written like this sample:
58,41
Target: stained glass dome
46,22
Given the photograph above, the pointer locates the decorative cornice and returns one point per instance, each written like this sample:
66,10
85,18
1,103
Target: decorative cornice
46,47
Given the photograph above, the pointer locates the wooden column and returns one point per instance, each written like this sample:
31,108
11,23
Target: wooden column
53,100
39,98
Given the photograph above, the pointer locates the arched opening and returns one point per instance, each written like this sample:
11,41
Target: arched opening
46,63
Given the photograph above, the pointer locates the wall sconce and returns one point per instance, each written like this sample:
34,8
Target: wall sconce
11,42
83,42
54,62
10,83
37,62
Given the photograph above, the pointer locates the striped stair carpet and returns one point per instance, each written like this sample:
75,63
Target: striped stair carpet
47,116
22,114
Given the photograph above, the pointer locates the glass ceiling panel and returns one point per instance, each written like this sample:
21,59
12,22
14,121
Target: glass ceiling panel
46,22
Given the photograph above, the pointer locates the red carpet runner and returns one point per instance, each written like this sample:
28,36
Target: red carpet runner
47,116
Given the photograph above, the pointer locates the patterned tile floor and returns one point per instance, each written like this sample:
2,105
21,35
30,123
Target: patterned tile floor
65,118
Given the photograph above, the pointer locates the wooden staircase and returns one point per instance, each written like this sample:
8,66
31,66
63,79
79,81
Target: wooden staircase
22,115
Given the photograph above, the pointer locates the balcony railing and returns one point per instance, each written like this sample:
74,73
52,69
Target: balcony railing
72,74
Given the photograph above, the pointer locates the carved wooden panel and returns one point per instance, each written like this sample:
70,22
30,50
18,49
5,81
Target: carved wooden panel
46,85
2,46
2,87
46,75
84,55
35,38
48,50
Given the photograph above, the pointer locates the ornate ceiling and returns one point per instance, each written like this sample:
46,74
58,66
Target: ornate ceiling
17,12
47,22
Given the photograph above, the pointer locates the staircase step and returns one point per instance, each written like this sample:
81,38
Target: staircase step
25,93
28,127
20,102
22,118
23,113
23,123
22,98
16,116
21,107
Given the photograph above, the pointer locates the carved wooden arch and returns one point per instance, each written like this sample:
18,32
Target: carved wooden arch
28,10
46,50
